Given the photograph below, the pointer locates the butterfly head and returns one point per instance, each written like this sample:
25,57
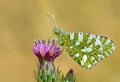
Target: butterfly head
58,31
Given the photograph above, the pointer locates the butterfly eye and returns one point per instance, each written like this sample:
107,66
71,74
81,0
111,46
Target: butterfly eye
56,31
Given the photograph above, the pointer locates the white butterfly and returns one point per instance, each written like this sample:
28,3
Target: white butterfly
86,49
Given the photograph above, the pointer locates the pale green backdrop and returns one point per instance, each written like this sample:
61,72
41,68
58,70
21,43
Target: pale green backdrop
23,21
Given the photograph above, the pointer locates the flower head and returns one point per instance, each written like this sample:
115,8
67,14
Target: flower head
46,51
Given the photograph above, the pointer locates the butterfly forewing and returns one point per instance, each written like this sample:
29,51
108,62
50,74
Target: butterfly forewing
87,48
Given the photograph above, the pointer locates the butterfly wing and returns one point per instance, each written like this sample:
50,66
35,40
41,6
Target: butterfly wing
87,49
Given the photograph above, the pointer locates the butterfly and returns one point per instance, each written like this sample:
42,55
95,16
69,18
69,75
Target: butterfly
87,49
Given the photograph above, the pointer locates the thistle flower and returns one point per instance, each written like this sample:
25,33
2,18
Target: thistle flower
46,51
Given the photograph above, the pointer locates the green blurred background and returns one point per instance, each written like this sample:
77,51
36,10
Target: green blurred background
23,21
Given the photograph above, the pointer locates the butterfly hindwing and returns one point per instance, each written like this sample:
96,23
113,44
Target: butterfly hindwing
87,49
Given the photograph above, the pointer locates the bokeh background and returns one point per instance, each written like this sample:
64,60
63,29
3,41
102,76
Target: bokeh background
23,21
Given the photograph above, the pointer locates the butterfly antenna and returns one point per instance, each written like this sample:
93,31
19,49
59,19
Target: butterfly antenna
52,17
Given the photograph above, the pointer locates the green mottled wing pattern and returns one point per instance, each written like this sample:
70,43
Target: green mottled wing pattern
87,49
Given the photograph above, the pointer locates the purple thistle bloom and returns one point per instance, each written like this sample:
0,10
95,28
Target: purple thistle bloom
46,51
